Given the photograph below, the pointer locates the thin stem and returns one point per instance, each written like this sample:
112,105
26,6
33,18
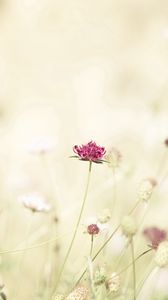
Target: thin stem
91,247
133,268
34,246
76,227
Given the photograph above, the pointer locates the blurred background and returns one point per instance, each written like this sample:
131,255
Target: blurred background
71,72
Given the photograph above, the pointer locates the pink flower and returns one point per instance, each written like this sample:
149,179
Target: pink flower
93,229
155,236
90,152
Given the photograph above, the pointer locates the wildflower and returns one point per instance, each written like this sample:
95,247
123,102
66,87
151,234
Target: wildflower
146,188
35,202
155,236
93,229
128,226
161,256
113,157
80,293
113,283
90,152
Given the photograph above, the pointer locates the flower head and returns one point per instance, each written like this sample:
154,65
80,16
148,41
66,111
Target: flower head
90,152
161,256
146,188
166,142
128,226
35,202
155,236
93,229
79,293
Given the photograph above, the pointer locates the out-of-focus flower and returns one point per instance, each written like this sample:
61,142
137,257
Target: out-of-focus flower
155,236
41,146
161,256
166,142
113,283
113,157
146,188
35,202
93,229
80,293
90,152
128,226
104,216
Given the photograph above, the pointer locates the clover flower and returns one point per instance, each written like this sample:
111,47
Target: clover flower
155,236
128,226
93,229
90,152
35,202
113,283
166,142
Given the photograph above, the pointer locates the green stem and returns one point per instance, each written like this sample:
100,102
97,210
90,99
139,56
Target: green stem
76,227
133,268
91,247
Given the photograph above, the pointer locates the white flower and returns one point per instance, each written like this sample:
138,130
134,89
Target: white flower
35,202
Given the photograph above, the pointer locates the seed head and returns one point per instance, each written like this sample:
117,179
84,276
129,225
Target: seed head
80,293
161,256
128,226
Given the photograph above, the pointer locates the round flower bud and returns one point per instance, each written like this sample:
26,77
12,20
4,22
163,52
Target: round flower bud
113,157
113,283
128,226
146,189
93,229
105,216
161,256
80,293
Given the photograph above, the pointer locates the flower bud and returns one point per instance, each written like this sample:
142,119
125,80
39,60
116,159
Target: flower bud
161,256
128,226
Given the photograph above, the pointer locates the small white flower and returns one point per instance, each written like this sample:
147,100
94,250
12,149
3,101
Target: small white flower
35,202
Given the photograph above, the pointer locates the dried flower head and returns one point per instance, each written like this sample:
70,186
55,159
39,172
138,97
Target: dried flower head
146,188
113,157
93,229
113,283
128,226
80,293
161,256
155,236
35,202
90,152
